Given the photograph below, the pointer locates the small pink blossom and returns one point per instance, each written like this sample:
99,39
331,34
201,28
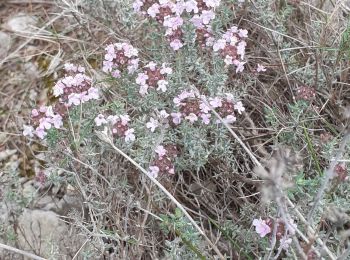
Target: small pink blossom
141,79
160,150
151,65
152,124
163,114
215,102
34,113
165,69
260,68
125,119
129,135
137,5
153,10
176,118
162,85
207,16
239,107
192,117
219,44
39,132
93,93
45,123
239,65
153,171
261,227
243,33
176,44
143,89
100,120
206,118
204,107
191,5
28,130
212,3
229,119
56,120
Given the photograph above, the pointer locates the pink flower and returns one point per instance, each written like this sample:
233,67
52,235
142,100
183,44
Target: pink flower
239,65
176,118
261,227
190,6
229,119
152,124
151,65
204,107
34,113
93,93
153,10
160,151
165,69
130,51
197,21
192,118
206,118
143,89
125,119
173,22
260,68
39,132
116,74
215,102
153,171
285,242
74,99
112,119
107,66
110,56
45,123
212,3
129,135
207,16
241,48
162,85
137,5
100,120
228,60
239,107
141,79
219,44
70,67
163,114
133,65
176,44
56,120
58,89
28,130
243,33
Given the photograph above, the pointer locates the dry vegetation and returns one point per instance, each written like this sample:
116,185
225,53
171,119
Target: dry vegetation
280,162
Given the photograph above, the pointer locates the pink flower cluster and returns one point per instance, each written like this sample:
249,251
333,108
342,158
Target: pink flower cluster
306,93
118,57
119,125
232,47
168,13
153,76
192,108
75,88
164,160
42,119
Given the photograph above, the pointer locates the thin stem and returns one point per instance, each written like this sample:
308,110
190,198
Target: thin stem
21,252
